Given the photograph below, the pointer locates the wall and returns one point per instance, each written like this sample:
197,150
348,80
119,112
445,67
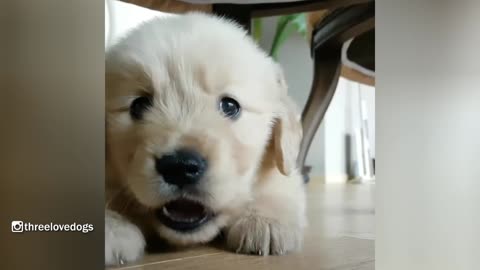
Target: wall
125,16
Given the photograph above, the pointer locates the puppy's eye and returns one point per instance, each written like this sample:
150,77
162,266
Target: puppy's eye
230,107
139,106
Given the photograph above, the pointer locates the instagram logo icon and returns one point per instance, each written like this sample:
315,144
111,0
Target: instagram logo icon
17,226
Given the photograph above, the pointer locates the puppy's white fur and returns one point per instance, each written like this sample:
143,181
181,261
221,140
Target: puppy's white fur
187,63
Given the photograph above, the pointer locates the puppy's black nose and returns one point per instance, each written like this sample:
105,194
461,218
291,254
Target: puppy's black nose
182,167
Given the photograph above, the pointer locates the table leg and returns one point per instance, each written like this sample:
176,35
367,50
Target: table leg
327,66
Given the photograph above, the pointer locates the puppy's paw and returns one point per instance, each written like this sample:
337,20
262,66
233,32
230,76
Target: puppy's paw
124,243
263,236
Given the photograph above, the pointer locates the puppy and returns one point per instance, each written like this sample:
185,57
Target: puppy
202,138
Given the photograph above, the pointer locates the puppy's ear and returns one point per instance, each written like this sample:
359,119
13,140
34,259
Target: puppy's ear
286,138
286,132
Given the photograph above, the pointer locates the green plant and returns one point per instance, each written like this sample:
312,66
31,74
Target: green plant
286,26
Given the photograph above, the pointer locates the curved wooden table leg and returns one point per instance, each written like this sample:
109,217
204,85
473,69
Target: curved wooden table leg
327,66
327,42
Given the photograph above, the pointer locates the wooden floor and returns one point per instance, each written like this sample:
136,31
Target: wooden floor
340,236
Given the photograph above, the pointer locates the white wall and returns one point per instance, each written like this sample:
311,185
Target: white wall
337,127
124,16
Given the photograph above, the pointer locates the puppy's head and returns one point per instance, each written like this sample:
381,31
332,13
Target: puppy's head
192,106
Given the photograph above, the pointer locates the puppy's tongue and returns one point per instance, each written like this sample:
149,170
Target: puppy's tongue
183,210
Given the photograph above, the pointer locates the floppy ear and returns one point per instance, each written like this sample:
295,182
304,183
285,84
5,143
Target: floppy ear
287,131
286,137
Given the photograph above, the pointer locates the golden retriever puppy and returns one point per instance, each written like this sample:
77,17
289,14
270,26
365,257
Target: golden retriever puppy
202,138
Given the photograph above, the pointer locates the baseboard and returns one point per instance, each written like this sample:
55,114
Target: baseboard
359,180
330,179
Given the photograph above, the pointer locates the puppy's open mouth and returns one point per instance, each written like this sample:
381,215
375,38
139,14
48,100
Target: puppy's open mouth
183,215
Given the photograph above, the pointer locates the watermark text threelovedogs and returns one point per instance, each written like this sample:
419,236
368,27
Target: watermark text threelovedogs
21,226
